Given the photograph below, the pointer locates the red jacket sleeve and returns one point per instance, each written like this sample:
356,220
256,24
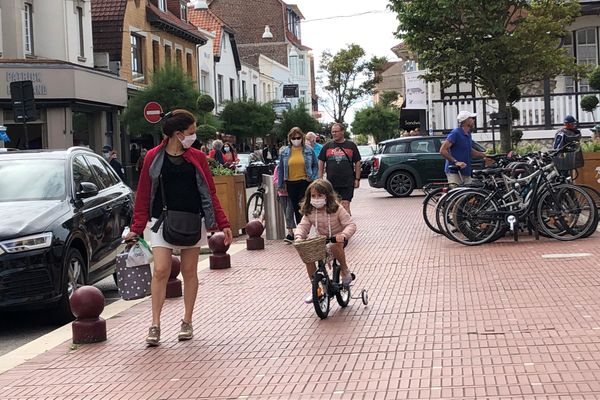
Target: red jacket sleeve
220,217
141,210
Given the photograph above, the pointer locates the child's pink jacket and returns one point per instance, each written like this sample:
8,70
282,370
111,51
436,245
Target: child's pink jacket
341,222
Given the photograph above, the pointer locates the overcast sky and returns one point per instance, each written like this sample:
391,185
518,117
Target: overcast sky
326,27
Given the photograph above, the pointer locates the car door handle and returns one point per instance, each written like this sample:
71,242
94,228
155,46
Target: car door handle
412,159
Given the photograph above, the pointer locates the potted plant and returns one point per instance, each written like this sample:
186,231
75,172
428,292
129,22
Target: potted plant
589,174
231,191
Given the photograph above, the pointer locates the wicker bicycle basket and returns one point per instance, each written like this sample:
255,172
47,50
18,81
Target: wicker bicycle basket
311,250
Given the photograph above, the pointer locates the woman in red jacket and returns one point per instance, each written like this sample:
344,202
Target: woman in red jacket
189,187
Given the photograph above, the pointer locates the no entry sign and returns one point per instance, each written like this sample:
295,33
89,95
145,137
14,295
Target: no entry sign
152,112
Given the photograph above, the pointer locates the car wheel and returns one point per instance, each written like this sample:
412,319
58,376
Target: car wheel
73,270
400,184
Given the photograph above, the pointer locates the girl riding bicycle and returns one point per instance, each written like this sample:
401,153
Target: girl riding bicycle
320,207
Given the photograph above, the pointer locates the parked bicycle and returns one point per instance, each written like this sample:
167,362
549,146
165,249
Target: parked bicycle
324,287
255,205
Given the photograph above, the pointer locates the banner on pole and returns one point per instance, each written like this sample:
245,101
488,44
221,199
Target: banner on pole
416,91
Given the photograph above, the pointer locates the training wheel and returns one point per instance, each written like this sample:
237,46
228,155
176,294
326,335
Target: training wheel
365,297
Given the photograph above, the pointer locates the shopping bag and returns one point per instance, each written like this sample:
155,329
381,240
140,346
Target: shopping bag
132,282
139,254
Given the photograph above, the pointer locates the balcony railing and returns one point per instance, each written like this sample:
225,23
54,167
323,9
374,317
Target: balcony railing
532,111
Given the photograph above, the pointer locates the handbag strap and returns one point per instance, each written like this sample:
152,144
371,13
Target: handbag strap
346,154
162,193
161,218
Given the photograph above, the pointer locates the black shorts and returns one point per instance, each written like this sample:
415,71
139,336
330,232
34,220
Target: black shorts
345,193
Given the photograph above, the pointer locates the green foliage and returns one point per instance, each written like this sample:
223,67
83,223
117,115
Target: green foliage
514,113
247,118
516,137
361,139
342,72
171,88
594,78
589,103
498,45
206,132
380,122
528,148
205,103
218,170
514,95
387,97
591,146
297,116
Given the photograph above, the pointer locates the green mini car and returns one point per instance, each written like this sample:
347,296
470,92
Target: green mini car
404,164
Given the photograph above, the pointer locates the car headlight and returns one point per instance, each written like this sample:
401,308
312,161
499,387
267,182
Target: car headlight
26,243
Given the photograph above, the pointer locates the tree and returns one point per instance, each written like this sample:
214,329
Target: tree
247,118
378,121
207,129
498,45
171,88
387,97
297,116
342,73
361,139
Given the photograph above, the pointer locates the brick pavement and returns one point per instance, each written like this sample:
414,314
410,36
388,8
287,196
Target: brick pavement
444,321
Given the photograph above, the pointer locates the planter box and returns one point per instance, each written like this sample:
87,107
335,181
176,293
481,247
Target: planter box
590,173
231,191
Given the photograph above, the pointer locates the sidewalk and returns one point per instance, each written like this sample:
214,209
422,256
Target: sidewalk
504,320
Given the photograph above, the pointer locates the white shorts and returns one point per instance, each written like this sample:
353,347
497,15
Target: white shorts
157,240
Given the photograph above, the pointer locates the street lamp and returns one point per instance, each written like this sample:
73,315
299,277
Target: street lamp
267,33
198,4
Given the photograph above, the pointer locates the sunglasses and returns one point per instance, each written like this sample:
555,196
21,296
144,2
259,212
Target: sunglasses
297,138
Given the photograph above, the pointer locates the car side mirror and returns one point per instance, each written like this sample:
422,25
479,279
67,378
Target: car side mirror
86,190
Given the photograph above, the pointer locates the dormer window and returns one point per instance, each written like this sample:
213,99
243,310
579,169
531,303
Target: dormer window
294,23
183,11
162,4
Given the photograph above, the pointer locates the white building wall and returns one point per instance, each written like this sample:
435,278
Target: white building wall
206,66
273,75
226,67
300,74
251,76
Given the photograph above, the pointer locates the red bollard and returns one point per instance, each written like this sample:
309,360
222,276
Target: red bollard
174,284
254,229
219,258
87,303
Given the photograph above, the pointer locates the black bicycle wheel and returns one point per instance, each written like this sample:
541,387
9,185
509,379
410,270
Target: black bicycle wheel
320,295
254,207
594,194
473,219
567,213
342,295
430,204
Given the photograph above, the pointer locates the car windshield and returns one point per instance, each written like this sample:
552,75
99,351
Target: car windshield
22,180
365,151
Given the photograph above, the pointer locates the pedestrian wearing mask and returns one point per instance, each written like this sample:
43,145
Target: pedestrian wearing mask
229,154
217,152
183,175
297,168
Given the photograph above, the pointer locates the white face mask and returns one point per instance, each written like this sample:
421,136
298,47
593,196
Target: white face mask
297,142
187,141
317,203
226,149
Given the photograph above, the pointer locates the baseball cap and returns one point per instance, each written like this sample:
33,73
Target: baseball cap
463,115
106,149
569,119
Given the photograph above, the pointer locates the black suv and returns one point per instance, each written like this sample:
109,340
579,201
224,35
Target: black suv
404,164
63,213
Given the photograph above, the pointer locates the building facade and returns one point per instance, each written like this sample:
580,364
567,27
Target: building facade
49,42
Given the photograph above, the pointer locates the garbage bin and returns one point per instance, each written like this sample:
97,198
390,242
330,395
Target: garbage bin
274,217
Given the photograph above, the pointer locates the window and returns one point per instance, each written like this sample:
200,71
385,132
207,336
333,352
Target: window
301,67
395,148
231,89
264,92
100,170
167,54
179,57
244,94
189,64
155,55
82,173
269,92
162,4
183,11
220,88
137,66
254,92
81,42
422,146
28,29
587,52
204,82
294,23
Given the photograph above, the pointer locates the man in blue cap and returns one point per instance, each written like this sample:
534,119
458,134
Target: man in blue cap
567,161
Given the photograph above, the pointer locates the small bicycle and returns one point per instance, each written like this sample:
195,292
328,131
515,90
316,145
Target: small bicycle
324,287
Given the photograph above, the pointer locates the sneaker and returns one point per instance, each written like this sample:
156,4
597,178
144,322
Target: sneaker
308,299
347,278
186,332
153,338
289,239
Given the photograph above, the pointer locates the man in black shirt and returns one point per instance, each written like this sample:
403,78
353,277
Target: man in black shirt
340,160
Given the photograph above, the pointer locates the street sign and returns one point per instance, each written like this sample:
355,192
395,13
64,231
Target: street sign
152,112
23,101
